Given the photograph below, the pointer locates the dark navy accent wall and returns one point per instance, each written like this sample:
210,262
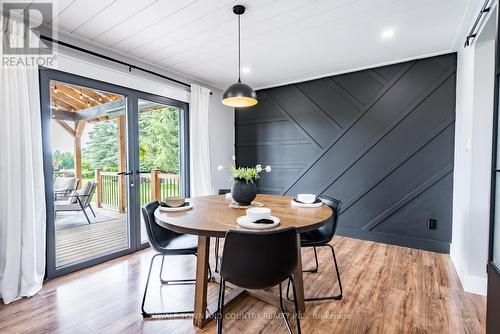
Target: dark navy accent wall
380,140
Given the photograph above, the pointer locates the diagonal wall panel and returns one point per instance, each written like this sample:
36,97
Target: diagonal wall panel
380,140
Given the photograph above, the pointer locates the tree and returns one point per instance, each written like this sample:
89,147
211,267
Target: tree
159,139
158,142
101,150
65,160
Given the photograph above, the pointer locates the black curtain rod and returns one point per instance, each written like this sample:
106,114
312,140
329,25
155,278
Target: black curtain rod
130,66
472,34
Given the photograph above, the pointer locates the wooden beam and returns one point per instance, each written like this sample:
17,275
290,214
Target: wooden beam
113,108
93,95
122,163
78,159
70,96
74,94
79,127
200,291
155,185
98,179
62,103
63,114
66,127
103,111
105,97
151,109
75,104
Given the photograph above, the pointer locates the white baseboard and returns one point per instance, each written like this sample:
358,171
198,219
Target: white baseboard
475,284
470,283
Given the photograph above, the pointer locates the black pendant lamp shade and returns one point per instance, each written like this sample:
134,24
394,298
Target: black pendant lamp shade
239,95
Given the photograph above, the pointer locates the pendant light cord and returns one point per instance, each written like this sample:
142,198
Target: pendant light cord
239,49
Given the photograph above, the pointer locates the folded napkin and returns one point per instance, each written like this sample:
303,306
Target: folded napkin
264,221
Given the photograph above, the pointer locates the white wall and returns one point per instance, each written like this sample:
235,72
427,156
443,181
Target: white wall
473,147
221,118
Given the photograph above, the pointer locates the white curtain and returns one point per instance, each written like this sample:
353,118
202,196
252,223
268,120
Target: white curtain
199,142
22,192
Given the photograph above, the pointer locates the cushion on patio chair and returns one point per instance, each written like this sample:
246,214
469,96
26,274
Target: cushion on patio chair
84,191
64,183
66,206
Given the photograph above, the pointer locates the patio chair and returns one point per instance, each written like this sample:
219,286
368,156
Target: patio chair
79,200
64,186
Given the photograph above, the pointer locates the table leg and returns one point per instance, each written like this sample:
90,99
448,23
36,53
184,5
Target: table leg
200,293
298,279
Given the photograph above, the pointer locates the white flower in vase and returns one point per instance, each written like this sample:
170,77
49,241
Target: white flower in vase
268,169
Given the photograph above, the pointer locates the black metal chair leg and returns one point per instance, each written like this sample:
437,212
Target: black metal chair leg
283,313
210,276
335,297
92,210
86,216
297,314
146,314
180,281
216,255
339,296
174,281
220,308
314,270
288,290
83,209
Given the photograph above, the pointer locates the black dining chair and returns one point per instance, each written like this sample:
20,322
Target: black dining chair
221,192
321,237
258,260
166,242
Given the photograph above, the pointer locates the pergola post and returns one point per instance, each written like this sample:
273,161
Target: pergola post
122,163
79,127
98,180
155,185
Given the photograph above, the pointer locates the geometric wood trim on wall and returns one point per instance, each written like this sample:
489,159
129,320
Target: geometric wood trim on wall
380,140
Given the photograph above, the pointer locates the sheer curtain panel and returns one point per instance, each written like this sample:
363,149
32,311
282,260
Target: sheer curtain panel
22,193
199,142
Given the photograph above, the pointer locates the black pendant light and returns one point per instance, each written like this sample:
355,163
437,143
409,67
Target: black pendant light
239,95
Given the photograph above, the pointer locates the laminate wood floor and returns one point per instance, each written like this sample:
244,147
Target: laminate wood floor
387,289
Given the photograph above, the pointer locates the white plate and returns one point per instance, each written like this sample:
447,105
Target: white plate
244,221
182,208
304,205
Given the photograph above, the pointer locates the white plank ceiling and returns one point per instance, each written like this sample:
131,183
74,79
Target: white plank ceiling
282,40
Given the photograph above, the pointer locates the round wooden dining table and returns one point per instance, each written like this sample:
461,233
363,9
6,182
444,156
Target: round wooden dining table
212,216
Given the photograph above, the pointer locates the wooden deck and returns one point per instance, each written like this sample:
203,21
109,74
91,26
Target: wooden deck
79,243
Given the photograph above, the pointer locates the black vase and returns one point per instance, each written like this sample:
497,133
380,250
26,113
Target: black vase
243,192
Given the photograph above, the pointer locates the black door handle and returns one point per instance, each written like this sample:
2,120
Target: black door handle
125,173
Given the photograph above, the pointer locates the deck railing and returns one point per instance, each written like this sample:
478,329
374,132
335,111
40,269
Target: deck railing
154,185
64,173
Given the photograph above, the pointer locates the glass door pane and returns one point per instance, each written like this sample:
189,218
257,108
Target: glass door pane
159,153
89,150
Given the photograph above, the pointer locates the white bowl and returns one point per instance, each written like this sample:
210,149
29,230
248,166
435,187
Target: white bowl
258,213
306,198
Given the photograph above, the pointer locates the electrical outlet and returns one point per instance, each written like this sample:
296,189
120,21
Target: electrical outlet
433,224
